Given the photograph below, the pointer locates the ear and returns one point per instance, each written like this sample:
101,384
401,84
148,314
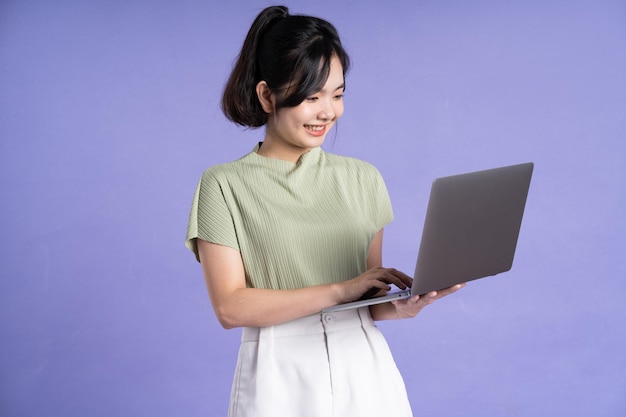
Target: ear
266,97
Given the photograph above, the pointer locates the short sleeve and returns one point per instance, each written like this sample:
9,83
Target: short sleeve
383,211
210,218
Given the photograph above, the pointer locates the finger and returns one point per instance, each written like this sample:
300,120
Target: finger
376,285
397,278
436,295
411,300
407,280
450,290
372,292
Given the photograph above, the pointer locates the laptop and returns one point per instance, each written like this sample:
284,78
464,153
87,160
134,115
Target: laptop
470,231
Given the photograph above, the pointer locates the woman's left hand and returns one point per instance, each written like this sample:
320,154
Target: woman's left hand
410,307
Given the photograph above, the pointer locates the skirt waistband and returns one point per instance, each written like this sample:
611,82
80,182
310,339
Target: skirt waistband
313,324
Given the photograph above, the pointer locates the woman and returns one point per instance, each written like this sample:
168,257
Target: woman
289,229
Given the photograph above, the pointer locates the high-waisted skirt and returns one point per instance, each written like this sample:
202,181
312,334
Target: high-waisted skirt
325,365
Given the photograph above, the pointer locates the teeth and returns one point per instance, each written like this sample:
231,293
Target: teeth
317,128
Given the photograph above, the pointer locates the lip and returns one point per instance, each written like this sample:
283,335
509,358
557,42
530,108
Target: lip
317,133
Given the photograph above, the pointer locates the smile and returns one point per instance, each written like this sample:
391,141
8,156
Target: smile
315,128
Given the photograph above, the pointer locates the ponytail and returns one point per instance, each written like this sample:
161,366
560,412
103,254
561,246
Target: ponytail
292,53
239,101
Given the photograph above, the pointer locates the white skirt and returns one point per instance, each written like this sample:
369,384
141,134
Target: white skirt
332,364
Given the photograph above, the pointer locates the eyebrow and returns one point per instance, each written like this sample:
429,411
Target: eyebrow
341,87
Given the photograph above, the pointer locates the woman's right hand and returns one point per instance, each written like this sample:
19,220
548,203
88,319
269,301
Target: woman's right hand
375,282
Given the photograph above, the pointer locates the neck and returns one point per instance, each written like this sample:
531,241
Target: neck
278,149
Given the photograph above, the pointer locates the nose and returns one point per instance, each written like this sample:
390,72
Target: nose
327,110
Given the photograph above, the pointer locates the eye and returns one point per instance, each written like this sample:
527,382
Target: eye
338,97
311,99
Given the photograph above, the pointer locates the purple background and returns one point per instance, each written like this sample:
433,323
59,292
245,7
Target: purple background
109,113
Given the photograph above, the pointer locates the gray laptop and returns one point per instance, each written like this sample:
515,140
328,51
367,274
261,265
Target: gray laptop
470,232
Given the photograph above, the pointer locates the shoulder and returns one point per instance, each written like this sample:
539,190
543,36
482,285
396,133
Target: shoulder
352,165
222,172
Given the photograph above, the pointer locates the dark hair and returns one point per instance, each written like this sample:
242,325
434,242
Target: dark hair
292,53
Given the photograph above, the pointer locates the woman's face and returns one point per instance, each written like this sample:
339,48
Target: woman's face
293,131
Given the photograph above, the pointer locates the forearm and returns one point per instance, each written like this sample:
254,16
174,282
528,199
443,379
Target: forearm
237,305
385,311
253,307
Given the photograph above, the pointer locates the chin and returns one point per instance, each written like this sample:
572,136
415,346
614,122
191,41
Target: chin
316,142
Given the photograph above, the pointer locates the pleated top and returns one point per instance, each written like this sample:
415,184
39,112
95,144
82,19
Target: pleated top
295,225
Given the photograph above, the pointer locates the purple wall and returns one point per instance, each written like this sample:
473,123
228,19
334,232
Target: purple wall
109,113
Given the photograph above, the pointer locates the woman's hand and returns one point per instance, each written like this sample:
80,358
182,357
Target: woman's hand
375,282
410,307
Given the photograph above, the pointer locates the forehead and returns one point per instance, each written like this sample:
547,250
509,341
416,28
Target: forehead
335,75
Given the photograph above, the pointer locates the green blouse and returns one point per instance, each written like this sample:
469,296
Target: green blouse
295,225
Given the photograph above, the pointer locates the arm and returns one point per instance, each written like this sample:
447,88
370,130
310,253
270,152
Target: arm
235,305
410,307
403,308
